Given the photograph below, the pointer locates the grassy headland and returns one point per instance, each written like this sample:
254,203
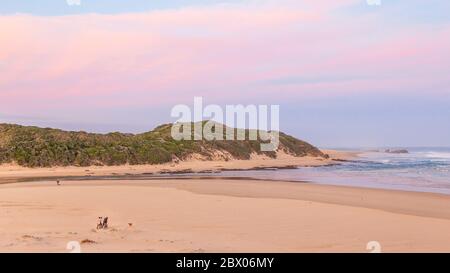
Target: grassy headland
45,147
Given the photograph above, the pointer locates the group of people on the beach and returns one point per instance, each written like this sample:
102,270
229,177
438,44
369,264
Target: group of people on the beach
102,222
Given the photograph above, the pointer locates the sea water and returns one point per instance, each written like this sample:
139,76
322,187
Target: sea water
422,169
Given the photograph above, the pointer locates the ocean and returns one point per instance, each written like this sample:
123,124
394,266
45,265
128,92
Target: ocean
422,170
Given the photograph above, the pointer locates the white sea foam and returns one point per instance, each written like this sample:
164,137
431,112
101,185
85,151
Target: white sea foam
419,170
442,155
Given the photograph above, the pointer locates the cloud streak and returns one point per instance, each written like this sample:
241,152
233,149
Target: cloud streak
285,52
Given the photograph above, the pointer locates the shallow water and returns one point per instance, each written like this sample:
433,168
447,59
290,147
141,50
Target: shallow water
422,169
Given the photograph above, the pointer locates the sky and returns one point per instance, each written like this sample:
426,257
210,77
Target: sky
346,73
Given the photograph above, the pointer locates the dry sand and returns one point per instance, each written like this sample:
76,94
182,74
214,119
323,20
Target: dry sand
213,215
219,216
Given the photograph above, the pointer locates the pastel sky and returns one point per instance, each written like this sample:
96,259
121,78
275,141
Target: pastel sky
344,73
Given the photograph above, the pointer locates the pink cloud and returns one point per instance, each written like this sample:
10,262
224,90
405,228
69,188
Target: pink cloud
221,52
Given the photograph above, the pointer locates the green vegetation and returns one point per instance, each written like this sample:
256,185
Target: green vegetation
45,147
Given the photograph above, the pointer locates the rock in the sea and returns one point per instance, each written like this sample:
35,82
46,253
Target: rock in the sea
399,151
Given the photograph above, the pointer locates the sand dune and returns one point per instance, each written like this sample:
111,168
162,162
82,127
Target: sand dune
219,215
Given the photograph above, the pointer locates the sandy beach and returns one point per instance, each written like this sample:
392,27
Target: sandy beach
12,172
215,214
219,216
224,126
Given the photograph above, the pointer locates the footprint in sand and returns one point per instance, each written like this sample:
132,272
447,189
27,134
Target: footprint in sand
88,241
32,237
198,250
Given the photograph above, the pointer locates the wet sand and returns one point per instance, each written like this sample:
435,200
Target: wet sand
219,216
